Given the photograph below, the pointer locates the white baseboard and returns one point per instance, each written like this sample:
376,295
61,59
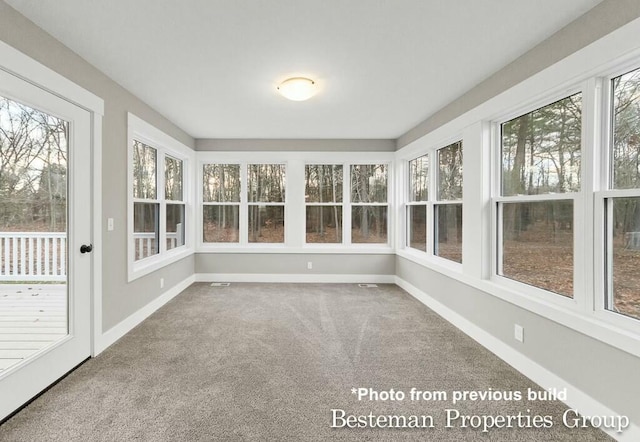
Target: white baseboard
125,326
294,277
576,398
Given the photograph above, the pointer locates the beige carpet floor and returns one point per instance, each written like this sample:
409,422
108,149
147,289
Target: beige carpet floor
268,362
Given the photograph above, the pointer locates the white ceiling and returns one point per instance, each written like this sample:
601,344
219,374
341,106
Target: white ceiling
212,66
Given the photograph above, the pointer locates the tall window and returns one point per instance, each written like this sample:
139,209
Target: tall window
174,195
447,209
541,168
266,192
146,201
369,203
417,205
623,199
323,197
221,203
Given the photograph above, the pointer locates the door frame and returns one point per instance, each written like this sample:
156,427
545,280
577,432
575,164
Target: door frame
22,66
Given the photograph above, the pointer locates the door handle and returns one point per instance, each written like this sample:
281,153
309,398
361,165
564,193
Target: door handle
86,248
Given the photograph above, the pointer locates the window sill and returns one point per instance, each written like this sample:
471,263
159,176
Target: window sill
365,249
148,265
436,263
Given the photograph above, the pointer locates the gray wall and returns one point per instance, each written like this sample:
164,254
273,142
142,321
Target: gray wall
596,23
120,299
296,145
607,374
339,264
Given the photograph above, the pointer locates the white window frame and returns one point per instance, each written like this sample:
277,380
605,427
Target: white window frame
422,203
241,208
604,193
244,204
438,202
140,130
429,257
346,188
577,199
349,205
248,203
295,204
180,202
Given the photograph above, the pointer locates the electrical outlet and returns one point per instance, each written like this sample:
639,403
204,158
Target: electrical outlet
161,283
109,224
519,333
309,265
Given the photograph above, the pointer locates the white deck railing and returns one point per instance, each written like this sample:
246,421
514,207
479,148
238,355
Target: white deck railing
145,243
33,256
42,256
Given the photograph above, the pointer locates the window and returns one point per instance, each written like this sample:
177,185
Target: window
146,205
448,207
235,212
266,192
434,219
221,203
174,220
540,162
159,198
331,205
417,205
148,202
369,203
323,198
622,205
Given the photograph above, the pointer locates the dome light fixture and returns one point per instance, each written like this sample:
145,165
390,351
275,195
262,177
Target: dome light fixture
297,88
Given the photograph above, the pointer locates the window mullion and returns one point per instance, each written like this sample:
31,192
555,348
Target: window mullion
432,197
244,206
160,192
346,198
584,222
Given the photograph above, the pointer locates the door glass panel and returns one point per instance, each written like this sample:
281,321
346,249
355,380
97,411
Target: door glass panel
33,231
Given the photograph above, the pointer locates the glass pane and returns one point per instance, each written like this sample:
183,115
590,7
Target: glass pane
266,182
221,223
324,224
221,183
323,183
538,244
541,150
450,172
144,171
419,178
145,229
625,298
266,224
448,232
418,227
369,183
369,224
626,131
34,154
175,225
173,179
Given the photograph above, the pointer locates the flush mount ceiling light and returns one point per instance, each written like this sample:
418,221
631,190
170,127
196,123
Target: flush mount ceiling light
297,88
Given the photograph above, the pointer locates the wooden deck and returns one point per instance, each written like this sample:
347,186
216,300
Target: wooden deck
32,317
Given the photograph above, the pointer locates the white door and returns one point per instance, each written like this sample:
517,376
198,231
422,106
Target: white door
45,218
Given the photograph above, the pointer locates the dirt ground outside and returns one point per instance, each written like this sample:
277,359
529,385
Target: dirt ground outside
329,236
539,260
